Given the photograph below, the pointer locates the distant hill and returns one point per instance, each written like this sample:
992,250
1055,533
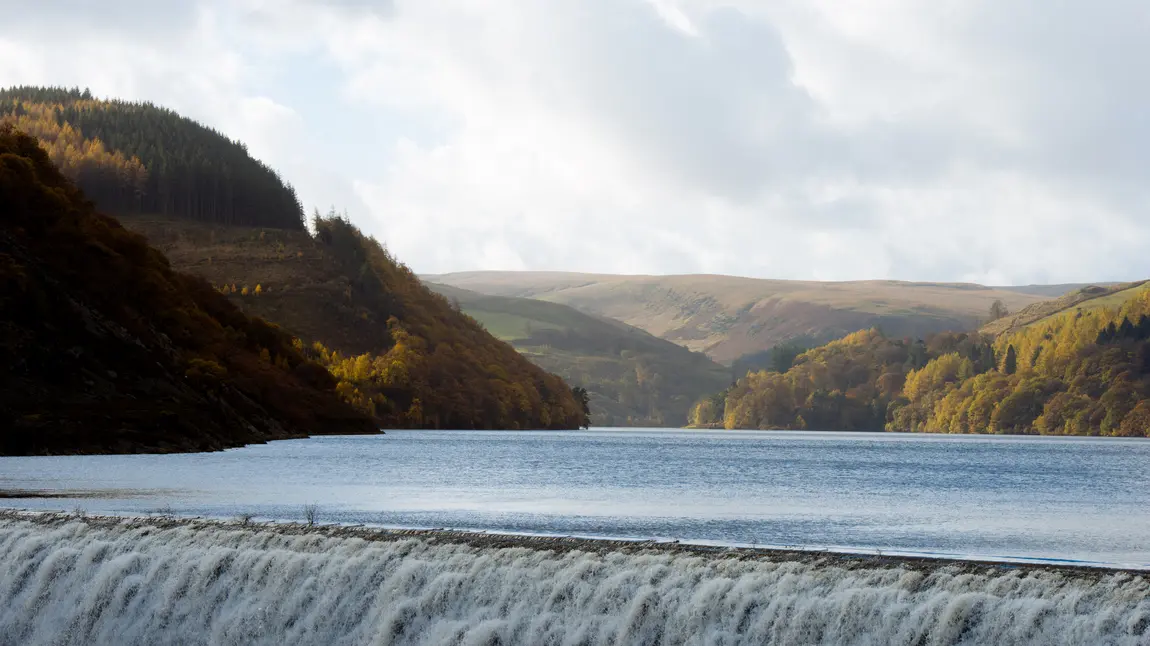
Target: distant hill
728,317
634,378
140,158
399,350
105,348
1083,298
1050,291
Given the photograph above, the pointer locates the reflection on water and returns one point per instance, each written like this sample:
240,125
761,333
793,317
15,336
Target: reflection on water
1081,498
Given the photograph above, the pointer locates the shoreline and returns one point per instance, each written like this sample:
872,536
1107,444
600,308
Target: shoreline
844,558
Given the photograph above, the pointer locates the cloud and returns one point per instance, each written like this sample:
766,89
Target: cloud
990,141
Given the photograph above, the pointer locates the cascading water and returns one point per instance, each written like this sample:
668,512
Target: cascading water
100,581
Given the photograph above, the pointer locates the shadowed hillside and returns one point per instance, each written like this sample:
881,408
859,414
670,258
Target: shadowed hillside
399,350
729,317
634,378
106,349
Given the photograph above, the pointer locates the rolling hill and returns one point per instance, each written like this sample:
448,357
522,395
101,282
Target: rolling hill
728,317
633,378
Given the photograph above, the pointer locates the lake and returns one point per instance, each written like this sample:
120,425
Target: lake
1083,499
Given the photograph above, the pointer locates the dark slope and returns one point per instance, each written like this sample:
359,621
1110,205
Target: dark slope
399,350
105,348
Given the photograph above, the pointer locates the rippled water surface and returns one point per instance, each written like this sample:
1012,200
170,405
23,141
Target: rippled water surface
1058,498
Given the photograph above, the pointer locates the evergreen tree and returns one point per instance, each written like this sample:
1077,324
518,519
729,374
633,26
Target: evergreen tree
1010,365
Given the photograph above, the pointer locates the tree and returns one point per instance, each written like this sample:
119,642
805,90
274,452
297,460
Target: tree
1010,365
584,401
998,310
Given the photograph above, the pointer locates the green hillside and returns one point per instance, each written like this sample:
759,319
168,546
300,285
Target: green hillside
633,378
728,317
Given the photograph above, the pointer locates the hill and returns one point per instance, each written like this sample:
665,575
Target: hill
399,350
728,317
140,158
1050,291
633,378
1081,371
106,349
1083,298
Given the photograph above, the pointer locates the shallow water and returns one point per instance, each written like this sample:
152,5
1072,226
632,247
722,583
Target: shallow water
1050,498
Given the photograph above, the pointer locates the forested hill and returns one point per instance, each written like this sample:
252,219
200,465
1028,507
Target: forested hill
1080,372
399,351
105,348
140,158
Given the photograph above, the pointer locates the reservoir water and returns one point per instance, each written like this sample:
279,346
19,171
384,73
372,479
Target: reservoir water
1080,499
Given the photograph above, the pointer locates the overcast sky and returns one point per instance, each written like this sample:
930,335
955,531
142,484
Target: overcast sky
994,141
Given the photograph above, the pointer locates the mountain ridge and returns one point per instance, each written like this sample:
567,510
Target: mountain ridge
729,317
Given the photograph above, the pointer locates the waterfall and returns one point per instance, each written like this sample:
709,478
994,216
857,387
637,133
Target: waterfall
130,581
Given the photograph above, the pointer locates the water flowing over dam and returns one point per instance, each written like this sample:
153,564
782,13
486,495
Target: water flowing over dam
74,580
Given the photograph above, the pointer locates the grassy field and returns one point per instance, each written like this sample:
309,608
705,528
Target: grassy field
729,316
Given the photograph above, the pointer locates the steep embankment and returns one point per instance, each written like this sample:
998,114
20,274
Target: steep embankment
729,317
106,349
82,581
633,378
399,350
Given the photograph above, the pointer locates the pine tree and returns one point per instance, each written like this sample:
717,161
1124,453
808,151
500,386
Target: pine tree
1010,365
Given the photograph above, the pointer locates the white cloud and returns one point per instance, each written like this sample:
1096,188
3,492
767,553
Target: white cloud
990,141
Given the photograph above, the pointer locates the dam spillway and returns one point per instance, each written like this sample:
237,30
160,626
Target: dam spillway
76,580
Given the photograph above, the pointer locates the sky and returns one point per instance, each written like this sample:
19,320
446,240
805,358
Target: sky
990,141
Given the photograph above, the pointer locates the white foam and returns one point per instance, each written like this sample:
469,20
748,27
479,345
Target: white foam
143,583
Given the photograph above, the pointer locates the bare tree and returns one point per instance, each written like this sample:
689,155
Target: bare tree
311,513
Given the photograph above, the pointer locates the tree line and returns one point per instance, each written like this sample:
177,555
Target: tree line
140,158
